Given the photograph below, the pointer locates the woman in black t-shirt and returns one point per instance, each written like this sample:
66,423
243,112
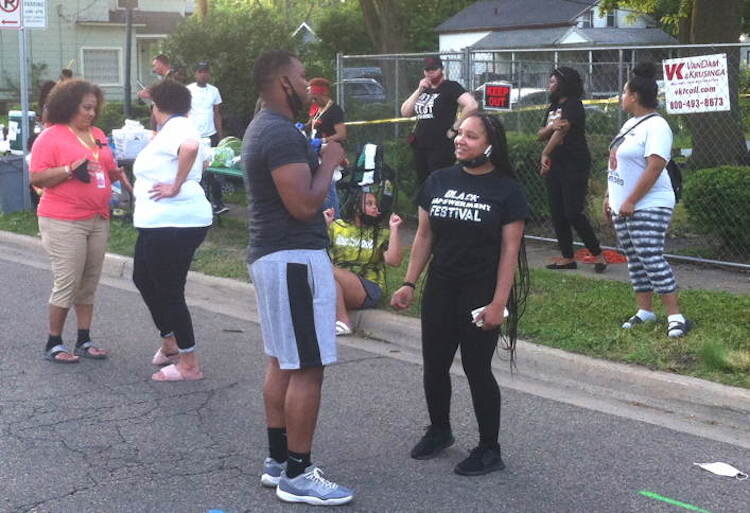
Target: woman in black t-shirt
566,164
435,103
327,124
471,222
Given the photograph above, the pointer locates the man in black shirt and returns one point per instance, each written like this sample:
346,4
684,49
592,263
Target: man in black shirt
292,274
435,103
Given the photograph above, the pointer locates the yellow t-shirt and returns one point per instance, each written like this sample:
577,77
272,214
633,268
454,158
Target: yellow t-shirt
353,248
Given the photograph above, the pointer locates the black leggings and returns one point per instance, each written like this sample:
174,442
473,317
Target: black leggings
160,266
567,200
427,160
446,325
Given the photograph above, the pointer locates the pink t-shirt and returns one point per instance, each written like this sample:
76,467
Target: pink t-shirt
73,200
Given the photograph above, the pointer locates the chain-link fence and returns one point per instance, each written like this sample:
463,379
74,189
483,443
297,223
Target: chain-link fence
711,223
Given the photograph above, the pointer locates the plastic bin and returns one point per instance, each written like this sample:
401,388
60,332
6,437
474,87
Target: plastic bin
12,193
14,129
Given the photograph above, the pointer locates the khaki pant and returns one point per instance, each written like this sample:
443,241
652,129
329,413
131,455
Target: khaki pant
76,251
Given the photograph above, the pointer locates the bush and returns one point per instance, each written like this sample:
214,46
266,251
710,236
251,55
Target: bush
113,116
718,203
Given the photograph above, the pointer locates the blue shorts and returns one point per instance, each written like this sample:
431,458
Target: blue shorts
373,291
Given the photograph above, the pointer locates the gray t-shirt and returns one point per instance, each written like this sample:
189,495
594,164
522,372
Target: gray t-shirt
272,141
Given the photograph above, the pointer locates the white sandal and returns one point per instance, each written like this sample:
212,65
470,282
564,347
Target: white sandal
342,329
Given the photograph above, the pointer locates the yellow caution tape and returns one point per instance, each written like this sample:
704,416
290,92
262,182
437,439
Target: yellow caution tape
608,101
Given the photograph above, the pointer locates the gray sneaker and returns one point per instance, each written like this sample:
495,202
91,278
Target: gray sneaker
272,470
312,488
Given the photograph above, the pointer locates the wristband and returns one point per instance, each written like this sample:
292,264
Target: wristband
409,284
67,171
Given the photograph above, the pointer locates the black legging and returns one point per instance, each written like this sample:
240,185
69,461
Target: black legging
427,160
160,266
567,199
446,325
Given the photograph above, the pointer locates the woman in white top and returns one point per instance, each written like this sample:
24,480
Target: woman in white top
172,216
640,199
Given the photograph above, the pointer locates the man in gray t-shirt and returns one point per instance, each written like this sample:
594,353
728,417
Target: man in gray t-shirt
293,276
272,141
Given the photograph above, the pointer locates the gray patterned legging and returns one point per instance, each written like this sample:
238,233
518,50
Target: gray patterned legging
642,239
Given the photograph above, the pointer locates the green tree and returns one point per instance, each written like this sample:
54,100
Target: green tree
718,137
231,36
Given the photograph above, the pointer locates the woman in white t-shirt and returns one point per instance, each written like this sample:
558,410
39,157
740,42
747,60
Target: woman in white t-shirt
640,199
172,216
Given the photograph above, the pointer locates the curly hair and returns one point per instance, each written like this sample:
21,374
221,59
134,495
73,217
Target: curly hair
171,97
571,83
66,97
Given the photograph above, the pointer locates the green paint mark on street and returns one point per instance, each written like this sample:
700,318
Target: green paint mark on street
673,502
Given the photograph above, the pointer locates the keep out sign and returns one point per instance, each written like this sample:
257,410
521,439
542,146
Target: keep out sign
696,84
497,96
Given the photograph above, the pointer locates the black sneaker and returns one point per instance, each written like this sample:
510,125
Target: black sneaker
433,441
220,210
481,460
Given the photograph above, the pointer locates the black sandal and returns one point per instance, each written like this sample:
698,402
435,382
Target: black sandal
84,351
555,266
51,354
680,329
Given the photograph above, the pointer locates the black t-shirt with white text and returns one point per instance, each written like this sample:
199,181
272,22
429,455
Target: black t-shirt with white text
271,141
435,110
573,154
325,126
467,214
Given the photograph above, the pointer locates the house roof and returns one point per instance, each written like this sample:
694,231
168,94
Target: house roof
553,37
509,14
156,22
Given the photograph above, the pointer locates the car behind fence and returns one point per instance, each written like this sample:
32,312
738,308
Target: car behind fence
712,222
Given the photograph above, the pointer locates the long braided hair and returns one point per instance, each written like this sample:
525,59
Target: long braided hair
352,210
520,290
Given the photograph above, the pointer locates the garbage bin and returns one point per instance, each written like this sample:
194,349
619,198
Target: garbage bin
12,193
14,129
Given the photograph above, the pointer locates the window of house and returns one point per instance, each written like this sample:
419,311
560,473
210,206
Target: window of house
587,20
612,19
124,4
102,66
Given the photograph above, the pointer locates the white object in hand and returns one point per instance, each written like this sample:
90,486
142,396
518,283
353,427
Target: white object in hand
475,313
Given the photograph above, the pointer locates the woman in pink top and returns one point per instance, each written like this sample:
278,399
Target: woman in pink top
72,162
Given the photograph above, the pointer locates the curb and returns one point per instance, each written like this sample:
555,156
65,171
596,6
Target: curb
626,382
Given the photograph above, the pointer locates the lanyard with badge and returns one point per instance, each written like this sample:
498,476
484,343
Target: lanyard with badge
94,147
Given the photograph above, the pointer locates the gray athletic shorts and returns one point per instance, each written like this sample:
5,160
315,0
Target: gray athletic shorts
296,297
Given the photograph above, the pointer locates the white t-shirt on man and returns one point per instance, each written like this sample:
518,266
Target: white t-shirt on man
157,163
627,162
202,107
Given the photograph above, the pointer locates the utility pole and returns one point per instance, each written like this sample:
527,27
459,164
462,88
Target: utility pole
128,56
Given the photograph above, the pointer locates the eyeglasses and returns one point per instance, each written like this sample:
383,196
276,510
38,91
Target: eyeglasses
431,68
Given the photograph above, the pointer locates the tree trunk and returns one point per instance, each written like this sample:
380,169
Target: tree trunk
201,8
718,137
383,22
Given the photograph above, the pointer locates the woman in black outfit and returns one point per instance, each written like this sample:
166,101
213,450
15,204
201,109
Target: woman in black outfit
566,164
471,222
435,103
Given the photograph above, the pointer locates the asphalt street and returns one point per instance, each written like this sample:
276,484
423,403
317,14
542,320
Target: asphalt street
101,437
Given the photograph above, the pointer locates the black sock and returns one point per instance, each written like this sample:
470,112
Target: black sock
277,444
297,463
83,336
52,341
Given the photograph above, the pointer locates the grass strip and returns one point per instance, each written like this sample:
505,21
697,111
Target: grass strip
565,311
